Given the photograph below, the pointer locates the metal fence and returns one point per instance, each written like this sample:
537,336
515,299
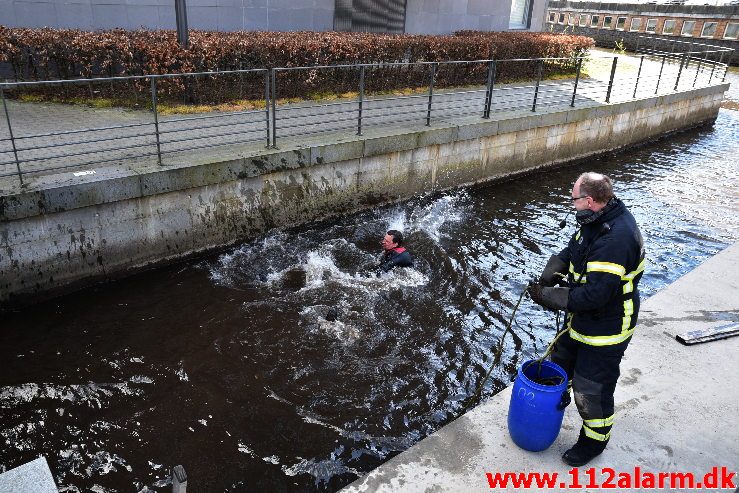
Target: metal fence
39,137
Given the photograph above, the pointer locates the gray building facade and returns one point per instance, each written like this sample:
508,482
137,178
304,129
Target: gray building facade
409,16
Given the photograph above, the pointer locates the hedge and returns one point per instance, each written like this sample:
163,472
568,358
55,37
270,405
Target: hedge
46,54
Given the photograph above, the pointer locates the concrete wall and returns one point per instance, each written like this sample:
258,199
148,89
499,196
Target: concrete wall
77,233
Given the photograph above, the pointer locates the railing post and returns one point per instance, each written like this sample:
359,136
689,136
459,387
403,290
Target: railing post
577,81
659,77
361,99
610,81
431,93
679,72
266,104
12,139
273,95
636,49
156,117
489,89
539,71
638,75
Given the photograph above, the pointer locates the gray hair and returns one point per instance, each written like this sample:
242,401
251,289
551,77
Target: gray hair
596,185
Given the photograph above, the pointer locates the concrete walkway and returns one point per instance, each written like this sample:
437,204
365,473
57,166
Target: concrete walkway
677,407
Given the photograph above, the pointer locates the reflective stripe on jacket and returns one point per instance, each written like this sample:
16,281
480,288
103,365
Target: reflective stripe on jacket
603,304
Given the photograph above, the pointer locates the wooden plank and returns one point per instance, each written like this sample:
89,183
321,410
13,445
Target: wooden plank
711,334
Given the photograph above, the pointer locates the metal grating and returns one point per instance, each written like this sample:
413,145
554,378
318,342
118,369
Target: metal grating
375,16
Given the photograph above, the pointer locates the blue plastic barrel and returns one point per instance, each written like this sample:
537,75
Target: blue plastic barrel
534,415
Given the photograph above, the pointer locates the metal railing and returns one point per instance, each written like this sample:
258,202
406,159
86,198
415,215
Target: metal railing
123,137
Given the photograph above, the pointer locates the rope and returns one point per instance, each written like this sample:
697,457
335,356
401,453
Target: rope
498,352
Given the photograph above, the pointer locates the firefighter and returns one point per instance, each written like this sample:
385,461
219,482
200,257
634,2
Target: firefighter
602,264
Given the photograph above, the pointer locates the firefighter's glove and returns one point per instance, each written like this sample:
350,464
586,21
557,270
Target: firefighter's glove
554,272
550,298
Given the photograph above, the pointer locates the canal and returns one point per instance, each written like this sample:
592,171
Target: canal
228,364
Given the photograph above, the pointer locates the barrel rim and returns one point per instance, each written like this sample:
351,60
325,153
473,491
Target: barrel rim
538,386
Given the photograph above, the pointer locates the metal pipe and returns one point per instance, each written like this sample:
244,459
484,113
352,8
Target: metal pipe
489,89
638,74
539,71
180,9
577,81
156,118
431,93
610,81
12,139
361,100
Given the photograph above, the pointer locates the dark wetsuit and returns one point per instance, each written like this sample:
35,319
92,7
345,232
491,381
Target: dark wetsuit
397,257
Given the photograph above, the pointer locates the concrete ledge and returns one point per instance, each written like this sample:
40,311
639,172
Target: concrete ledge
437,136
342,151
32,477
391,143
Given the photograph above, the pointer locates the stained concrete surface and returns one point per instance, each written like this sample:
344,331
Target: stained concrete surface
32,477
676,406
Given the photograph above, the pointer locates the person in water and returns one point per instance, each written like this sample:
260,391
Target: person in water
394,254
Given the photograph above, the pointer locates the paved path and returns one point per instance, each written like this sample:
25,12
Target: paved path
84,137
676,406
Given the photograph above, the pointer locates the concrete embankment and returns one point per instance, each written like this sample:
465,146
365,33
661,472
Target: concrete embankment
65,230
676,407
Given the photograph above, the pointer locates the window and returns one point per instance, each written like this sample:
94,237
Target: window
636,24
607,21
583,20
572,19
709,29
378,16
688,27
520,14
594,21
651,26
732,30
552,17
669,27
563,18
621,23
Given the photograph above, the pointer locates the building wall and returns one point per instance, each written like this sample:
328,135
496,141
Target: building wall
607,37
422,16
221,15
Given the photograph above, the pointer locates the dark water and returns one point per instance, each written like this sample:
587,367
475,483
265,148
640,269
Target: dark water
227,366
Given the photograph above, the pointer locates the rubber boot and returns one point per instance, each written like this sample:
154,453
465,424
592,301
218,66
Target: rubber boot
584,450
